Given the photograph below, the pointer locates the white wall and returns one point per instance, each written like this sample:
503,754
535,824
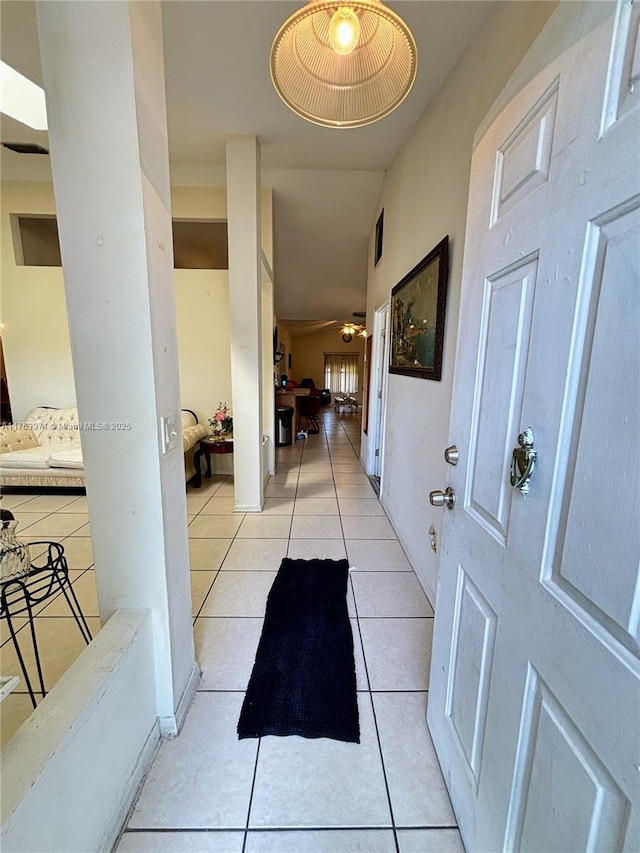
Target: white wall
424,196
69,775
202,310
34,311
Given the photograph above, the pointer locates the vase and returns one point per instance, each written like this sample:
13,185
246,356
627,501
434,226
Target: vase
15,560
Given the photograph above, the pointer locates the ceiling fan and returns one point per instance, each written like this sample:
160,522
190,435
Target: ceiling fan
350,329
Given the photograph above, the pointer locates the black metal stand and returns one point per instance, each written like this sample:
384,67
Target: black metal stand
48,576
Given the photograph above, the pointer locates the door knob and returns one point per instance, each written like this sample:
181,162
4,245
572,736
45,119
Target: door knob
446,498
523,462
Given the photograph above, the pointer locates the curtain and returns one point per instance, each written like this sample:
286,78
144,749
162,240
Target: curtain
341,373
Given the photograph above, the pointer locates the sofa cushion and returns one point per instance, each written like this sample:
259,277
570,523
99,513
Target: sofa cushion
32,457
55,428
66,458
16,438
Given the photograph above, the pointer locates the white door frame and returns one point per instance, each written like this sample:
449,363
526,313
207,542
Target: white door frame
378,391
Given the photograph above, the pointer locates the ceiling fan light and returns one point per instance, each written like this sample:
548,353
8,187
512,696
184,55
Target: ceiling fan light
343,90
348,330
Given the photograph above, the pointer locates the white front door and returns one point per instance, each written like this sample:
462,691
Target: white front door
535,682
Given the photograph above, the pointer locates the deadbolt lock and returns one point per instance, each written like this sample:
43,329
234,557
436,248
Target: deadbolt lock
452,455
446,498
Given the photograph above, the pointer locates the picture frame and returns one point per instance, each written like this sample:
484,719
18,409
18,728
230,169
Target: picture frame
279,350
379,239
418,308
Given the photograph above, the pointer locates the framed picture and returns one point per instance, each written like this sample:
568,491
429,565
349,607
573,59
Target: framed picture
418,305
279,350
379,238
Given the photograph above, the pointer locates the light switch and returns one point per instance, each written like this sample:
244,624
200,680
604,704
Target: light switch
169,432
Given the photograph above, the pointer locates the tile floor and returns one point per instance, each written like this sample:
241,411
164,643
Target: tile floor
208,791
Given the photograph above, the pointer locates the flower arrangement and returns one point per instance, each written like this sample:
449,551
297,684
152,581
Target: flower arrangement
222,422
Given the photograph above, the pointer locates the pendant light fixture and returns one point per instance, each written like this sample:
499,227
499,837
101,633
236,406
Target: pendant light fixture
343,66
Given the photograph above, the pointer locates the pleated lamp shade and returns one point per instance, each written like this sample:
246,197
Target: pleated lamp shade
336,90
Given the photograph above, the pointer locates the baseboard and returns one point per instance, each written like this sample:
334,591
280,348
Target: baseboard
248,508
188,695
118,821
171,726
430,593
375,485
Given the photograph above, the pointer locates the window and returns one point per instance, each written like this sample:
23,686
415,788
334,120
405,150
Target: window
341,372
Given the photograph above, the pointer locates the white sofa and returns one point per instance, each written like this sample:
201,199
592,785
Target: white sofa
45,449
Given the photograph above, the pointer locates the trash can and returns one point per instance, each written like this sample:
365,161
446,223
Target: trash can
284,425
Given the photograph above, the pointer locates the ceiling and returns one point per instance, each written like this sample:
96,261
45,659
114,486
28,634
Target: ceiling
326,182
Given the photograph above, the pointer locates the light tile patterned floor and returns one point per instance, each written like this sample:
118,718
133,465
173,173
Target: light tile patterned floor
208,791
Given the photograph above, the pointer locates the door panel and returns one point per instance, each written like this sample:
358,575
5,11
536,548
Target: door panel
623,91
610,312
535,678
559,776
523,160
473,638
502,362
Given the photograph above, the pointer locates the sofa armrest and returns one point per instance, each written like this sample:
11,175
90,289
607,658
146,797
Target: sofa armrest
14,438
191,435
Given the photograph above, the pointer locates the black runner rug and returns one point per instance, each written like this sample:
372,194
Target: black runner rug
304,680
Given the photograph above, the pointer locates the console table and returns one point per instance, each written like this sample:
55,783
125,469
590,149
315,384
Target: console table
207,447
345,400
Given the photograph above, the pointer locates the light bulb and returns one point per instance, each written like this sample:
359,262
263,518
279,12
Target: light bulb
344,31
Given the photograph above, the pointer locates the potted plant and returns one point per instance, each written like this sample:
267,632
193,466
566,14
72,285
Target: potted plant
222,423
